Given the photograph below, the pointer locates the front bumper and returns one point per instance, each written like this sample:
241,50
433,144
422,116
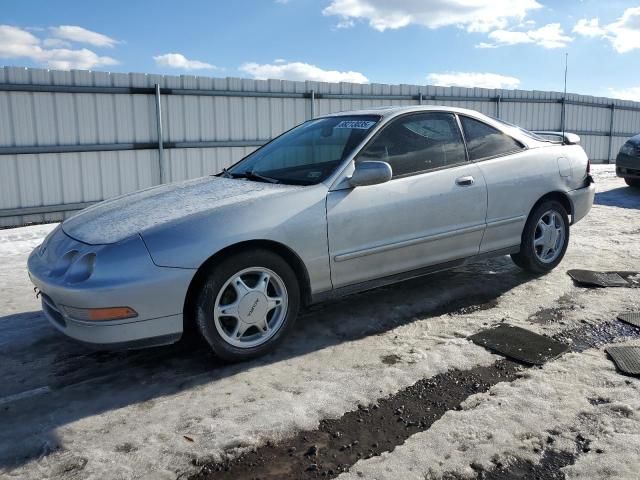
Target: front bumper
132,334
581,201
626,172
627,166
124,275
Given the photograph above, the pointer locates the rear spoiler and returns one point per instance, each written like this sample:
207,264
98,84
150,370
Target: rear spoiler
564,138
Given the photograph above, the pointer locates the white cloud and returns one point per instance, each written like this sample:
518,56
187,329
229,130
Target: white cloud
82,35
177,60
82,59
548,36
300,71
345,23
472,79
624,33
55,42
475,15
16,43
486,45
589,28
632,93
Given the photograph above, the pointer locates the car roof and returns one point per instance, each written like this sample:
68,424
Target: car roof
393,110
388,112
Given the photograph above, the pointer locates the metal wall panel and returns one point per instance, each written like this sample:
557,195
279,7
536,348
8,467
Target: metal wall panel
225,110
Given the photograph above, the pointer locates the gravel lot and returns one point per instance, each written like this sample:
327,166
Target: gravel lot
381,385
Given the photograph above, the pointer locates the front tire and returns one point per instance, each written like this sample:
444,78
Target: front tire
545,238
633,182
247,305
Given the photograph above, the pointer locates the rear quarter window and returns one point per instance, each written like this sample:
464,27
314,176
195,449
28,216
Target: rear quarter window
484,141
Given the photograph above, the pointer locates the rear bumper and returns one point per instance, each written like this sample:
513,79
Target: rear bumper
581,202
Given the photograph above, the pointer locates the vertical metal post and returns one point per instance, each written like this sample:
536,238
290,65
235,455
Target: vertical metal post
313,104
498,99
159,128
420,98
613,111
564,95
562,115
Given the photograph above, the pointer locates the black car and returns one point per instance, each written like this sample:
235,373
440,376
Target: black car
628,162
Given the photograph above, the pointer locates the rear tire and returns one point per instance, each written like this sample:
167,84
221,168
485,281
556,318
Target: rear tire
545,238
247,305
633,182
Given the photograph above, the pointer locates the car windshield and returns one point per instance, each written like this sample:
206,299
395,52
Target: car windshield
307,154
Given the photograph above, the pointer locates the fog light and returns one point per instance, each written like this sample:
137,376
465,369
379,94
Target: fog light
100,314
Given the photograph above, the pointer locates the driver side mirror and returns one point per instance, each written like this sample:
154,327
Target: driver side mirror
370,172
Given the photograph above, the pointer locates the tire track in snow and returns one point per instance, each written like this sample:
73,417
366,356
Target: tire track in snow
338,444
26,394
528,429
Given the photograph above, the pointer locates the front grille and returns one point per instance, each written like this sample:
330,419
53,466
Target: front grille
51,311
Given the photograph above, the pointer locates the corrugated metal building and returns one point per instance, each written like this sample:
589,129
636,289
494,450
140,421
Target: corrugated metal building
71,138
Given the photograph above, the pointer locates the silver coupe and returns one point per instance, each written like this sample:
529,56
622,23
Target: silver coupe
338,204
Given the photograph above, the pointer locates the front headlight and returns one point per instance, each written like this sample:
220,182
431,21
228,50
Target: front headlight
629,149
81,268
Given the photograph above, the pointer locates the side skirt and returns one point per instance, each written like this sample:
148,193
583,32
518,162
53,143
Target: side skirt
401,277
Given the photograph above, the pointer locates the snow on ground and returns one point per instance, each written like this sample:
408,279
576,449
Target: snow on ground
16,291
577,394
125,415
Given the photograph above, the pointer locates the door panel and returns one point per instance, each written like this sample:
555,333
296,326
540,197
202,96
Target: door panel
405,224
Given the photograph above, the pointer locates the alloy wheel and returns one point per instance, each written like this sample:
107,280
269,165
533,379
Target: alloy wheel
250,307
549,236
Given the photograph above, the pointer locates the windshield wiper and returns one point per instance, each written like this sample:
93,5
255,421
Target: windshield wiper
249,174
224,173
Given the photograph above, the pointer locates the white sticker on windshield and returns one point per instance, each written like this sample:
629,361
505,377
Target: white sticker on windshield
359,124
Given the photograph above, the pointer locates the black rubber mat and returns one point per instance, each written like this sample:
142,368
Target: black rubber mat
519,344
632,318
598,279
632,277
626,358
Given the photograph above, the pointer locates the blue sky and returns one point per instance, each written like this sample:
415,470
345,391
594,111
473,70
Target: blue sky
498,43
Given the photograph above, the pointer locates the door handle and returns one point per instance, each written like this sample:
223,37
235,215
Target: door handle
465,181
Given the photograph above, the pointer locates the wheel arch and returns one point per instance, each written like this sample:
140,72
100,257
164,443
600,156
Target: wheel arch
291,257
558,196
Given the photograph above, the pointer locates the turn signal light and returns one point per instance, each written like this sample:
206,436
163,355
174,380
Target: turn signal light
101,314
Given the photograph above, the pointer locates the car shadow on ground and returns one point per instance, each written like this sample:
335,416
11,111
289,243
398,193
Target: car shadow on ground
622,197
80,382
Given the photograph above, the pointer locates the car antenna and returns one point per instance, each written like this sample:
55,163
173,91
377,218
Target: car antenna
564,98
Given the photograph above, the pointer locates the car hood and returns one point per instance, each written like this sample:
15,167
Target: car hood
116,219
